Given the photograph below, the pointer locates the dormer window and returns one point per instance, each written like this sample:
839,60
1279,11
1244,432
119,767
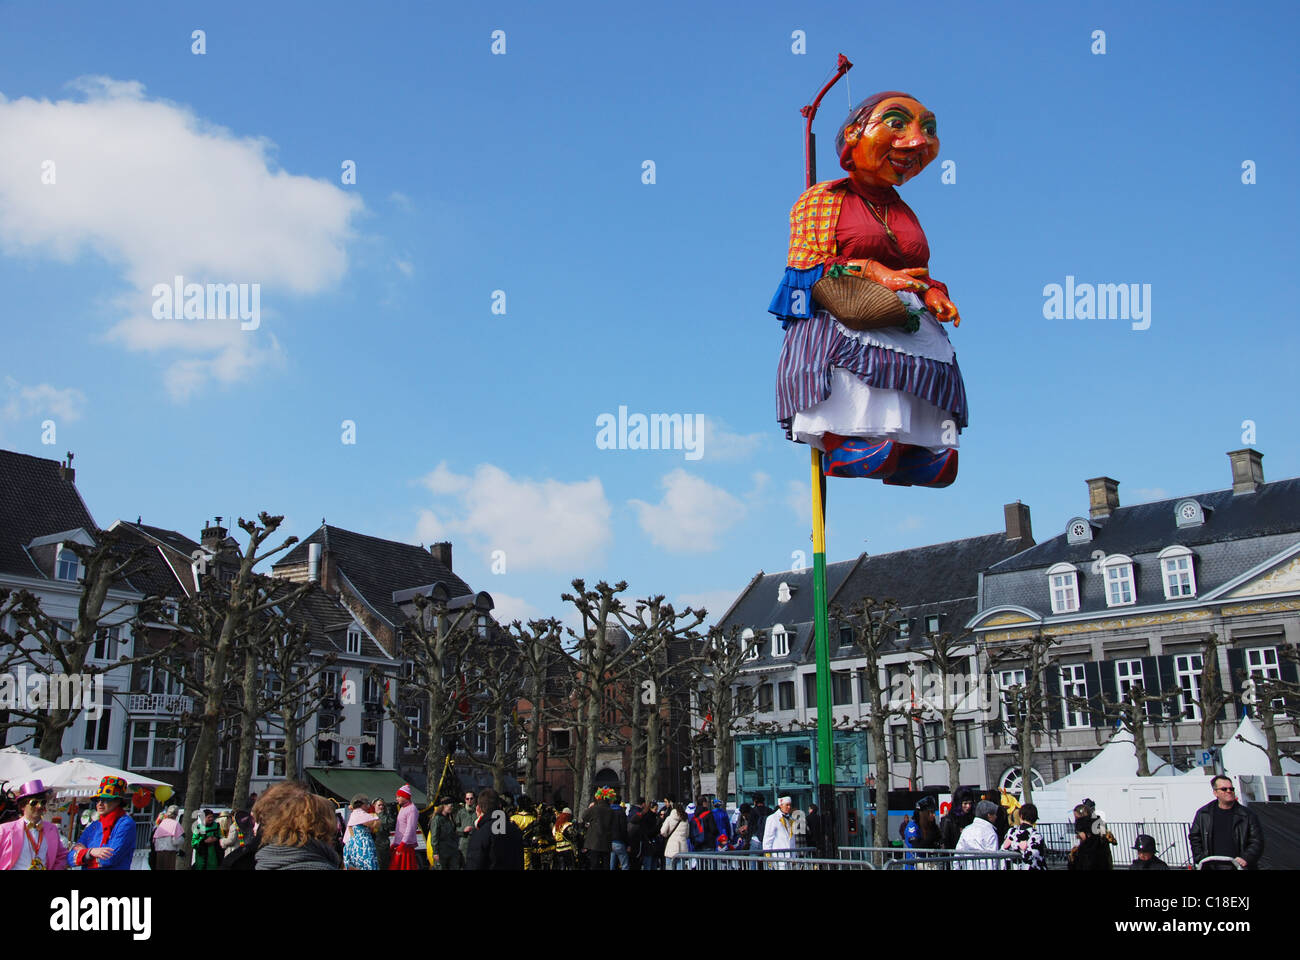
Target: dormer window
354,640
932,624
748,644
1079,530
783,593
1177,573
780,641
68,566
903,628
1189,513
1118,573
1063,581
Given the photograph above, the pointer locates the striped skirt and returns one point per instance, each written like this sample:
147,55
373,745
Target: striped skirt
815,345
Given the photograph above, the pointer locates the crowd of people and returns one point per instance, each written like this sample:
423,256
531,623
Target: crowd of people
290,828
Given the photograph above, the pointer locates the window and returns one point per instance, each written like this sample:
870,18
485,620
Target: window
97,731
785,695
841,688
898,736
1119,580
1063,580
354,640
481,737
414,728
765,698
561,741
104,649
846,637
1177,573
329,680
268,757
370,751
1128,674
1074,766
903,628
171,611
810,691
155,745
780,641
68,566
966,739
1187,669
751,647
1013,705
482,626
932,624
934,746
374,689
1262,663
707,759
327,750
1073,685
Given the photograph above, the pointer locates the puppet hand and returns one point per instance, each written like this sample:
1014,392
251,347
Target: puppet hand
890,279
941,306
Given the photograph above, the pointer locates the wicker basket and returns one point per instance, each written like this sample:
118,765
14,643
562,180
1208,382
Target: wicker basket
859,303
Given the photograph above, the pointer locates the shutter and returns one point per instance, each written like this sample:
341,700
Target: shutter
1165,669
1052,687
1109,685
1151,684
1289,671
1092,677
1236,664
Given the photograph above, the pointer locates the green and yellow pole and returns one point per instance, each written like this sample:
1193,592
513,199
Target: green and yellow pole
821,626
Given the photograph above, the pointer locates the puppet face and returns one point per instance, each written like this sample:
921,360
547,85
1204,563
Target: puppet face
896,143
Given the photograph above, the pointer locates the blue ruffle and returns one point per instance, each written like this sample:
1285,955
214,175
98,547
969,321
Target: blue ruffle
793,298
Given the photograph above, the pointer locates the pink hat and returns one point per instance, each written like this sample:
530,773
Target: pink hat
359,817
31,788
404,791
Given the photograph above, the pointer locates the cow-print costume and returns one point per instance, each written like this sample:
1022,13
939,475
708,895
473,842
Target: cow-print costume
1028,842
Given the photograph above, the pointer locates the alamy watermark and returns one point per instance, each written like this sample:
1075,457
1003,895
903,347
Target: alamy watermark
37,690
935,691
658,431
179,300
1098,301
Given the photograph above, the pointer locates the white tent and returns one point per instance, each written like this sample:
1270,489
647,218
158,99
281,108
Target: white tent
79,777
1241,759
18,767
1117,760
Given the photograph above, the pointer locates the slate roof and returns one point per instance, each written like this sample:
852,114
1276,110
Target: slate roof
157,576
35,502
378,568
1240,533
327,621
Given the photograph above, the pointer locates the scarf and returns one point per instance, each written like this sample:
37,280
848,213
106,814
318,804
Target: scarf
314,855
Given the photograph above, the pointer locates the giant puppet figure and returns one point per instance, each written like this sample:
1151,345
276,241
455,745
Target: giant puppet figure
881,401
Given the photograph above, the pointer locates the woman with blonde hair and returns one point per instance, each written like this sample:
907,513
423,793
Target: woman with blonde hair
296,829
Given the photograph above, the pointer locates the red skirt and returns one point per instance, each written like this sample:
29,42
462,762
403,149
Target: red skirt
403,857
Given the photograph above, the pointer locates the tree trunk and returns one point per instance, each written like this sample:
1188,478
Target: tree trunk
909,747
652,754
499,754
697,759
636,751
1268,723
248,728
950,749
290,723
1139,734
880,747
536,730
214,776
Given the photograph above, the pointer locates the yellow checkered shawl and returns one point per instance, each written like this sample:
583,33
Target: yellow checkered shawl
812,224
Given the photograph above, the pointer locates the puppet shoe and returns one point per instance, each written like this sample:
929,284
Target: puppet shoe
919,467
865,459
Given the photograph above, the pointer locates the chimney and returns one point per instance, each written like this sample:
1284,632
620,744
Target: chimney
1247,471
214,535
313,562
1103,497
1017,517
65,470
442,553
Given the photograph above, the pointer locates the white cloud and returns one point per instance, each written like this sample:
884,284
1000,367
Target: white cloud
539,524
429,529
692,515
1147,494
507,608
405,266
25,402
401,201
150,187
798,497
910,522
721,444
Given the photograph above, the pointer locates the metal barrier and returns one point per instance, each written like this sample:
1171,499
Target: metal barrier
850,858
1172,844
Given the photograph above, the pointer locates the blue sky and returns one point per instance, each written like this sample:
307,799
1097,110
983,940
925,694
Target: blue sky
522,173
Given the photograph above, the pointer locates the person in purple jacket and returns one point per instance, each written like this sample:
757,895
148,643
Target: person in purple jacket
109,842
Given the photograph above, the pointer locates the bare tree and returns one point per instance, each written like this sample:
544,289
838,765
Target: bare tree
1212,697
241,603
946,656
1025,703
542,661
1271,699
725,701
41,641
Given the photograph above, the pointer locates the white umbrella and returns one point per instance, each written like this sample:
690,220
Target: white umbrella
18,767
79,777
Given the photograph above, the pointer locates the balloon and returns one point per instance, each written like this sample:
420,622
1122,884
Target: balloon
163,793
141,798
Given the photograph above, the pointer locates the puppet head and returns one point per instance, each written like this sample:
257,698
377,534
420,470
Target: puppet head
887,139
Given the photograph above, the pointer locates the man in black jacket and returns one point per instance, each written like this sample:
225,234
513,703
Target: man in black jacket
1226,828
496,843
599,821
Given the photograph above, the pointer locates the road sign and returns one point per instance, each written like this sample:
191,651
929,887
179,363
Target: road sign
1208,757
352,753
